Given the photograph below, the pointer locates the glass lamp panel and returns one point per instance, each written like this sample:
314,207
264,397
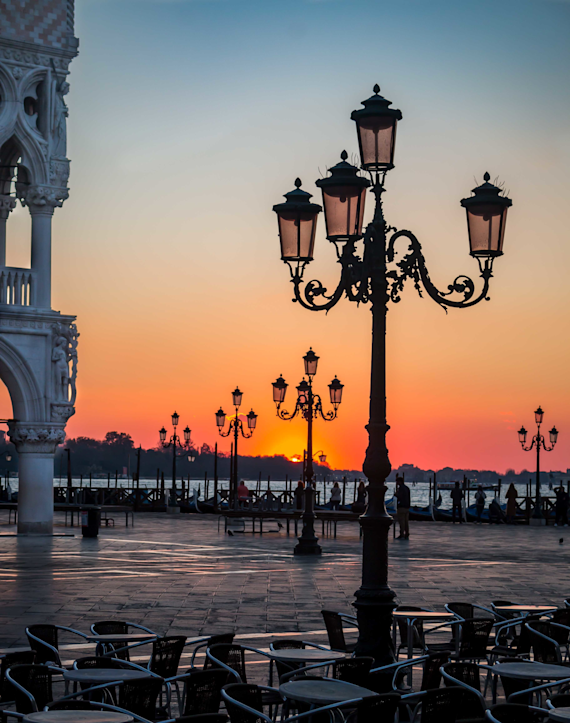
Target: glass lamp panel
311,360
251,420
322,458
220,417
279,390
538,415
553,435
162,433
187,433
377,139
297,235
335,389
486,224
191,458
8,458
522,435
175,418
236,396
344,211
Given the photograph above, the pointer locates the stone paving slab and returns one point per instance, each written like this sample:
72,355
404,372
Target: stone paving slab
179,575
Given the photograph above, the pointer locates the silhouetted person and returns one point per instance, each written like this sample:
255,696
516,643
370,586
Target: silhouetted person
242,493
511,503
403,509
299,495
480,498
561,509
456,499
336,496
360,504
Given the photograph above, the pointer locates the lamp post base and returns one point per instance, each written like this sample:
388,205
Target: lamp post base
308,547
537,521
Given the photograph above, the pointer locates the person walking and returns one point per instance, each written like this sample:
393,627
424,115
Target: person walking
511,504
299,495
480,498
336,495
403,508
456,500
561,509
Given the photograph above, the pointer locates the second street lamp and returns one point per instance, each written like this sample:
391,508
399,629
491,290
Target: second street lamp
309,406
539,442
377,275
175,442
235,426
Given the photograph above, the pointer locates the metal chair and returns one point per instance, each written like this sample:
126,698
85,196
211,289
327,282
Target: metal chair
202,691
417,630
333,623
545,647
515,713
207,642
446,705
117,627
11,660
232,659
44,640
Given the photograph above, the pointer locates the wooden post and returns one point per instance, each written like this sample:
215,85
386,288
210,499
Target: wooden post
344,491
269,483
108,480
90,481
116,478
354,494
499,481
162,495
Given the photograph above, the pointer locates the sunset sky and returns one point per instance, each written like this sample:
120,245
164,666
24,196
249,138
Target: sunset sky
189,119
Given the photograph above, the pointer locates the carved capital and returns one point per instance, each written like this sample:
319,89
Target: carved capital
42,199
61,412
36,437
7,204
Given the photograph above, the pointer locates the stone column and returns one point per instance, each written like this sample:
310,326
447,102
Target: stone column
36,445
7,204
42,200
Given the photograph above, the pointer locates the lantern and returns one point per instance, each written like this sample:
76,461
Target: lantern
236,396
344,192
311,360
538,415
303,392
187,433
162,433
220,418
376,128
297,219
251,420
522,435
553,436
322,458
279,390
335,389
486,219
8,458
191,457
175,419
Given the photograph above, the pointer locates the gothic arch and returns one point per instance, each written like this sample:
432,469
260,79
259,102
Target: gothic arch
18,377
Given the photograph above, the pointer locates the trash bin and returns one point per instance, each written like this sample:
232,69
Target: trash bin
90,520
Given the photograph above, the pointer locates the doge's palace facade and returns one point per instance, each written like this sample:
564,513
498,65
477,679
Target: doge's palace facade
38,346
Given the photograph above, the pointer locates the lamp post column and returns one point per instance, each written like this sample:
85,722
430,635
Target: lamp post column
537,513
235,469
375,599
308,542
173,493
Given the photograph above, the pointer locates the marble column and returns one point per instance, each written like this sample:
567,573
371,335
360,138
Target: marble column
7,204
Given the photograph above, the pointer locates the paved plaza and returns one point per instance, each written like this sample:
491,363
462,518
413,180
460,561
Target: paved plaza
180,575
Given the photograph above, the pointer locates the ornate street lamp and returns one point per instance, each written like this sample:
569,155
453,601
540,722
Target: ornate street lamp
539,442
309,405
175,442
378,275
235,426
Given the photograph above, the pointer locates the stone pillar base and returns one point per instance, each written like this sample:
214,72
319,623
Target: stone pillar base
35,528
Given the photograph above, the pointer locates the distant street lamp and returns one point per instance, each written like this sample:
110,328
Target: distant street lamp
539,442
310,406
367,278
235,426
175,442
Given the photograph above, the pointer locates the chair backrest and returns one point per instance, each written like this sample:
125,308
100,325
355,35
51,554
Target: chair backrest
431,677
449,705
37,680
467,673
560,700
249,695
96,661
204,691
166,654
72,705
10,660
461,609
545,649
139,696
110,627
417,628
333,624
46,634
475,637
231,655
378,708
516,713
562,617
352,670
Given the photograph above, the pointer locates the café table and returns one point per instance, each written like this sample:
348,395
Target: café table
118,640
99,676
77,716
424,616
529,671
560,715
323,692
308,656
525,609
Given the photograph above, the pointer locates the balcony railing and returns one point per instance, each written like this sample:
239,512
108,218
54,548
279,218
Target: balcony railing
17,286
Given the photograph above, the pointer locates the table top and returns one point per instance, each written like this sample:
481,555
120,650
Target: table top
525,608
323,692
560,714
531,671
77,716
104,675
306,655
423,615
121,638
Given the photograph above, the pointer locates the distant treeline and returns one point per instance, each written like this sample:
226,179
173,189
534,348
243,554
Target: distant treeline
118,454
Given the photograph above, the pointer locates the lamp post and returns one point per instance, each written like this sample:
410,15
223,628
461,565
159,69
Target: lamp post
539,442
310,406
235,426
175,442
378,276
